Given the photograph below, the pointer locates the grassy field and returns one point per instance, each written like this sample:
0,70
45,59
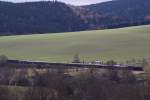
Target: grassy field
118,44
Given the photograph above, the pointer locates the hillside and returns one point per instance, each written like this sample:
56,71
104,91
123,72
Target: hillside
119,13
117,44
38,17
49,17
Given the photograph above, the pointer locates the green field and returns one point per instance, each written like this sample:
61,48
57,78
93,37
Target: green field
118,44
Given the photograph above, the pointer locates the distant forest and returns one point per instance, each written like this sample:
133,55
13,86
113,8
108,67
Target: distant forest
49,17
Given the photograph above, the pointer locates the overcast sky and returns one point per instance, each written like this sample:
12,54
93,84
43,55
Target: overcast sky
82,2
74,2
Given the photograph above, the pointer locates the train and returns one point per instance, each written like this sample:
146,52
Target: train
75,65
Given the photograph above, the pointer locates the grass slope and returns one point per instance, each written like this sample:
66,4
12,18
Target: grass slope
118,44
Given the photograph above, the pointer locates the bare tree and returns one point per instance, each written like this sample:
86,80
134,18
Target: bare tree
146,66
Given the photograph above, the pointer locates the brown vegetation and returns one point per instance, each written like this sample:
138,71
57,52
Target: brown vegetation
59,84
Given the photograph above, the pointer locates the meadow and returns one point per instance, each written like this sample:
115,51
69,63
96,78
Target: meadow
117,44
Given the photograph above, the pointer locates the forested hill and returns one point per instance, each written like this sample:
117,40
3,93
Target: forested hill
48,17
120,13
38,17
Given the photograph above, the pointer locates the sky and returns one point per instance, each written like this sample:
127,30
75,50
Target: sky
83,2
73,2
